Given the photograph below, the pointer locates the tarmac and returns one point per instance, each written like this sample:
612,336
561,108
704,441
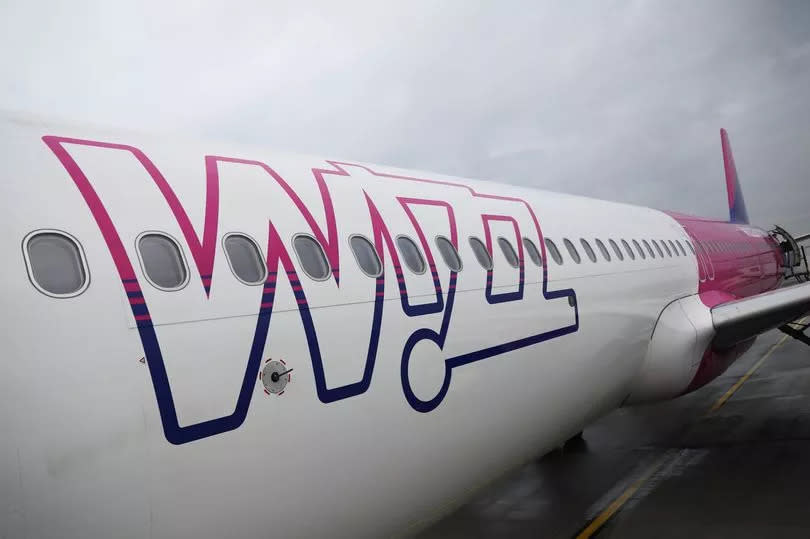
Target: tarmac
729,460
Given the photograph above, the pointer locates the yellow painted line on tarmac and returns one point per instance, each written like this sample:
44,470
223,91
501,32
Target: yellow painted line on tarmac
744,378
617,504
597,523
733,389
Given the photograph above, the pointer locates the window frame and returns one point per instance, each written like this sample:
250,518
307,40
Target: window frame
603,249
477,240
357,260
658,248
455,250
30,269
418,250
551,247
572,250
628,248
691,247
640,249
501,240
301,264
261,257
526,243
649,249
616,249
588,250
182,258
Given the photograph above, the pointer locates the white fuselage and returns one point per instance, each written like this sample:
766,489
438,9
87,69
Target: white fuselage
368,438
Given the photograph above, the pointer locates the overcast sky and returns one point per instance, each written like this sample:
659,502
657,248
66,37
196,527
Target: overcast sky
617,100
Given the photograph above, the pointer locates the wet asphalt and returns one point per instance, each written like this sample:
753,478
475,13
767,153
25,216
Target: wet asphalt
673,469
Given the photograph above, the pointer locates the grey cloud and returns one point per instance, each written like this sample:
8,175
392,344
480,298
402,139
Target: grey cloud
619,100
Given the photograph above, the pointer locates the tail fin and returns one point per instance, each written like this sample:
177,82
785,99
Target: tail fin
736,202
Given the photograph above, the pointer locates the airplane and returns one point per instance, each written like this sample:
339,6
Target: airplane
210,340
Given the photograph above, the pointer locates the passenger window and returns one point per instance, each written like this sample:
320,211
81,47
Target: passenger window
572,250
616,249
162,261
55,264
628,250
449,253
666,248
649,249
640,251
411,254
244,258
588,250
658,248
508,252
679,245
689,244
603,249
366,255
534,254
555,253
706,246
310,255
481,253
673,248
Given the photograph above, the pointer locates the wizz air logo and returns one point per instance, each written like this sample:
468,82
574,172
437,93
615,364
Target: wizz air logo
280,266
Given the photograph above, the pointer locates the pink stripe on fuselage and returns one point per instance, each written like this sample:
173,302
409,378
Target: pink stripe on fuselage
750,266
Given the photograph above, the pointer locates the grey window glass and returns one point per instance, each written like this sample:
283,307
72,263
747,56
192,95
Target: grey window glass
666,248
649,249
534,254
658,248
673,248
481,253
689,244
310,255
572,250
680,247
588,250
56,263
245,259
508,252
162,261
449,253
555,253
629,250
603,249
639,249
366,256
411,254
616,249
